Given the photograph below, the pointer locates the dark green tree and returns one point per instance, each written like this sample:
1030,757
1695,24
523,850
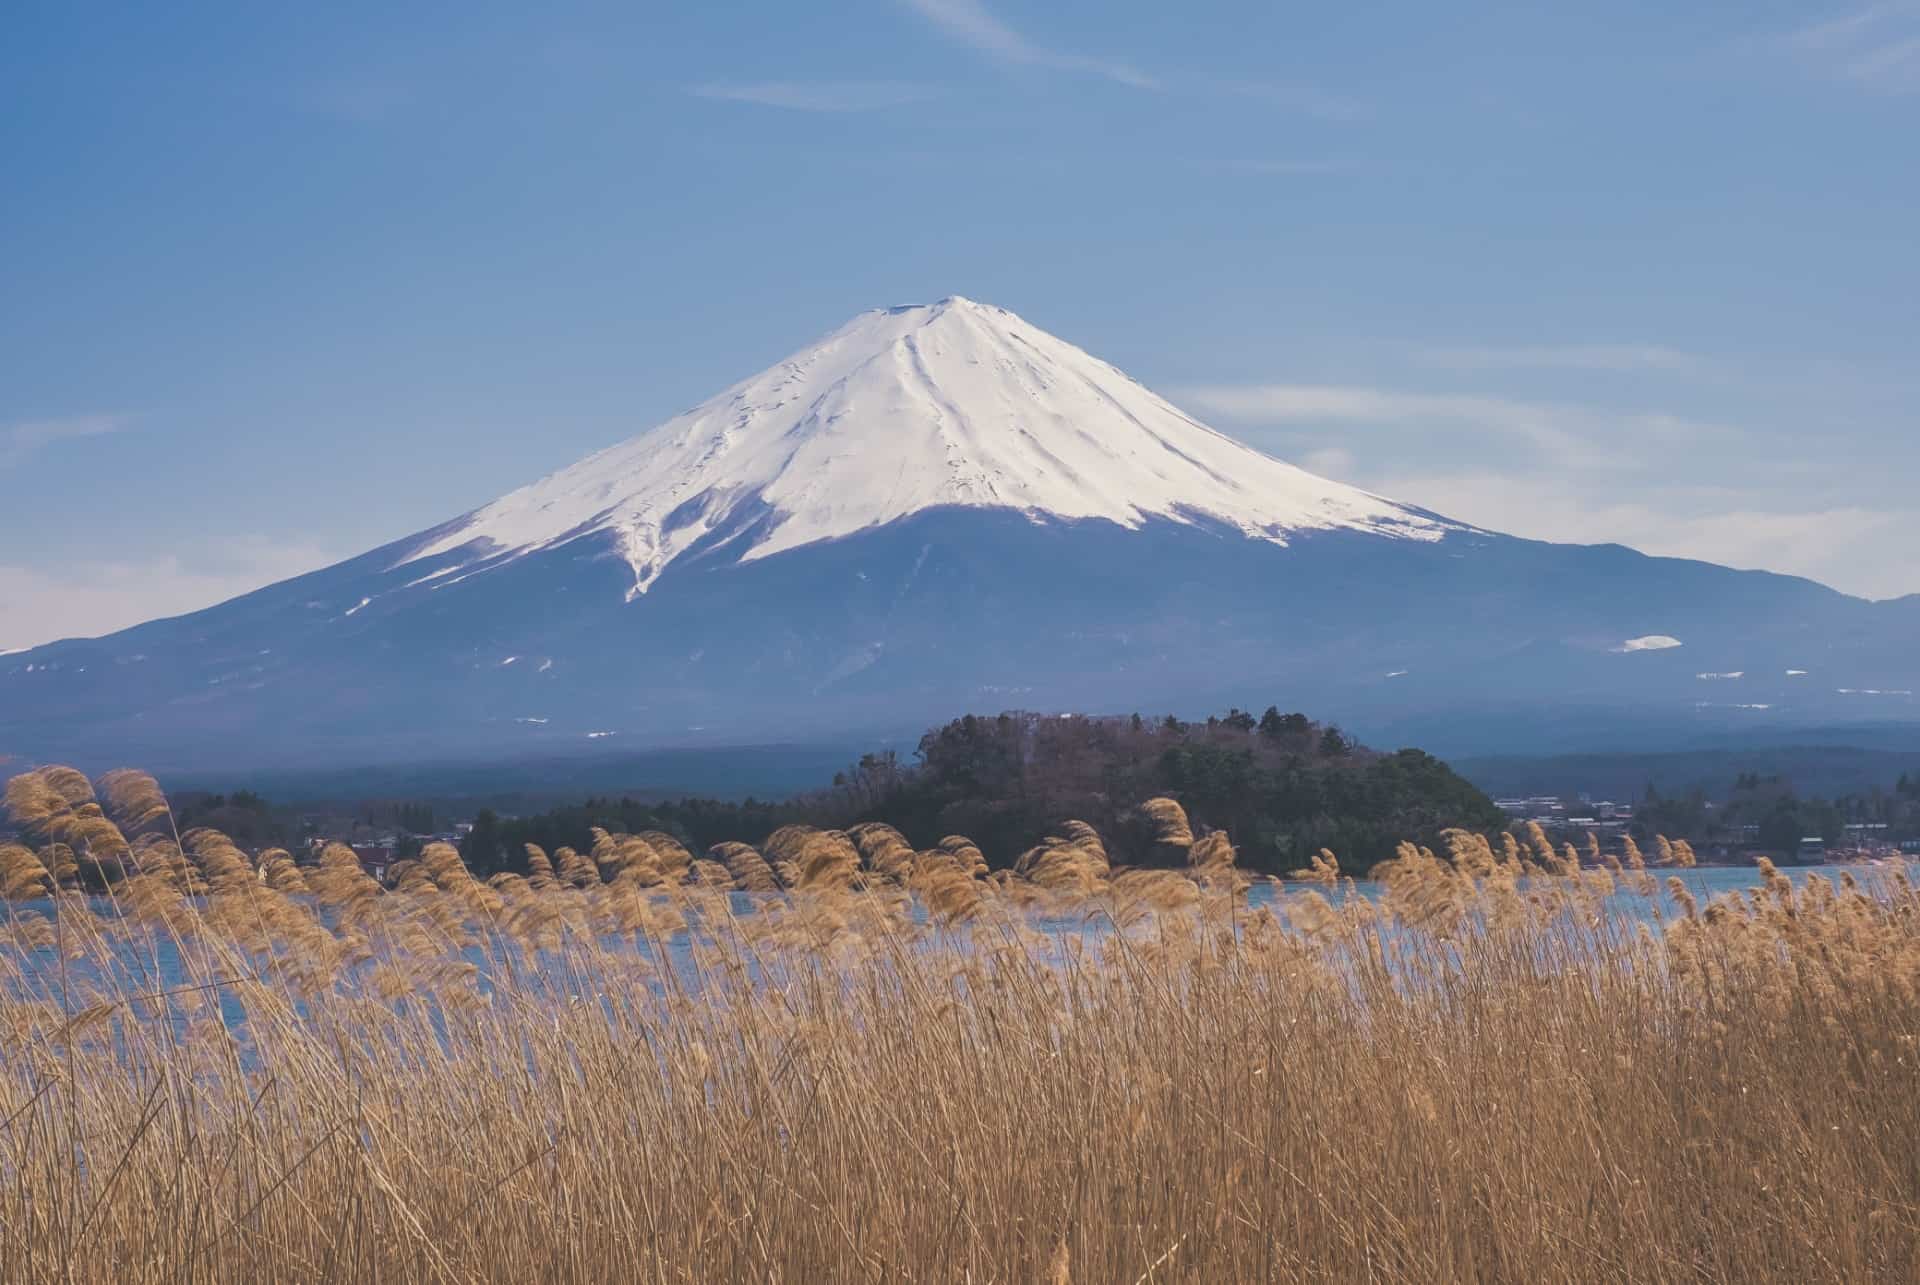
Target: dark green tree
481,849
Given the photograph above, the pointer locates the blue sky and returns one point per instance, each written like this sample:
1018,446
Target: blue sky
279,283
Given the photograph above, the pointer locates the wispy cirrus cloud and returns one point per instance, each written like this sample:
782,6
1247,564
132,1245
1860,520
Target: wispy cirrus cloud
1571,435
1659,481
1612,357
1876,47
25,437
819,96
1848,546
970,22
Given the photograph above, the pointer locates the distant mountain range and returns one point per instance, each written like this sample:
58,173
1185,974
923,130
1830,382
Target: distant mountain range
938,509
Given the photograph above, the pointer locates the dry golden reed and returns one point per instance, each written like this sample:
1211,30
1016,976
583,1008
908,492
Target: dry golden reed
833,1057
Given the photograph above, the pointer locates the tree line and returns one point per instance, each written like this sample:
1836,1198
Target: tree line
1282,785
1779,815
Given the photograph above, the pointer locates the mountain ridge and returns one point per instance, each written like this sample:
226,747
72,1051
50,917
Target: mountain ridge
929,512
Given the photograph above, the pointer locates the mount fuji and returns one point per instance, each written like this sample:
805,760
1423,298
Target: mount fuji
937,509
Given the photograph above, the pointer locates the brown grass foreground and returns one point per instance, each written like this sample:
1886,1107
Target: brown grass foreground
886,1071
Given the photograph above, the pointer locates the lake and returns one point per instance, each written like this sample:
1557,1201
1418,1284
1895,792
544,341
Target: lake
147,962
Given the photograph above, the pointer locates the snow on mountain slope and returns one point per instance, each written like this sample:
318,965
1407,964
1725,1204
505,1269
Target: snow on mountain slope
901,410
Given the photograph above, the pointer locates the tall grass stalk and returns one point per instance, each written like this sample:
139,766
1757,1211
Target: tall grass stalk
885,1064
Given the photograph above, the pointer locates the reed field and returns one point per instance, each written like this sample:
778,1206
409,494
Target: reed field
830,1056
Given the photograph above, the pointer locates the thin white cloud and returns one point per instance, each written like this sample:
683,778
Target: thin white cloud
823,96
1854,548
1330,461
969,22
1846,29
1269,404
1656,481
1610,357
1284,403
21,439
82,599
1568,436
1876,47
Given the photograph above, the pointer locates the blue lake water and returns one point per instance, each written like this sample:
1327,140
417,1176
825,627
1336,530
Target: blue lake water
148,963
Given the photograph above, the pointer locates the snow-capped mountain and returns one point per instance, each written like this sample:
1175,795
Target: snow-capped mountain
899,411
938,509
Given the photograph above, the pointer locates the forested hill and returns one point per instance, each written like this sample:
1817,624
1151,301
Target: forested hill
1281,785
